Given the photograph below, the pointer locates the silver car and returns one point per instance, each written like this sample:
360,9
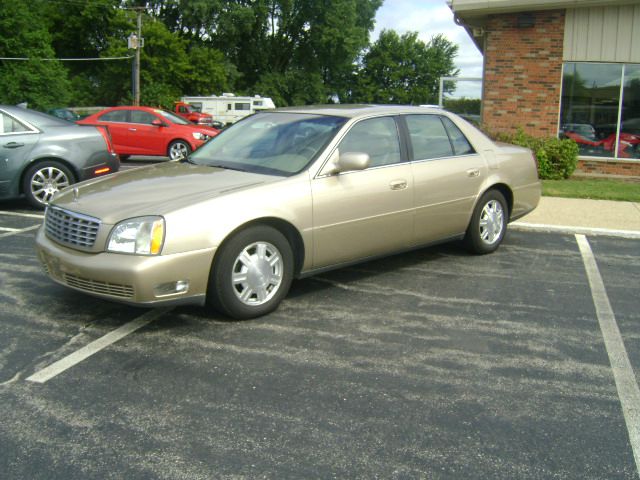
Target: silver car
41,154
285,194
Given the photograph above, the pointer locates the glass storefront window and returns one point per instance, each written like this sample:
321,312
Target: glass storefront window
629,144
590,108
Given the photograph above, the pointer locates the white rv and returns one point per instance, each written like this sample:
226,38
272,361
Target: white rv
227,108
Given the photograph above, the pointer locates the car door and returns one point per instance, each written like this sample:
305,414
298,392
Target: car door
117,123
364,213
146,138
448,174
17,139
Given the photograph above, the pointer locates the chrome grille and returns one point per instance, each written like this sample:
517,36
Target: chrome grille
95,286
71,228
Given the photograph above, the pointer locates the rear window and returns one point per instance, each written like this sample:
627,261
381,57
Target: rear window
429,138
114,116
461,145
11,125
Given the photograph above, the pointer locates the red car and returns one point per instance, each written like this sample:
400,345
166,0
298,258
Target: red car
150,131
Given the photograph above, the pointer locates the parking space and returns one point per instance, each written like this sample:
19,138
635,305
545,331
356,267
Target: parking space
431,364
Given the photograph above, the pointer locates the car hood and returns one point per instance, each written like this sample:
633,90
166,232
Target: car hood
154,190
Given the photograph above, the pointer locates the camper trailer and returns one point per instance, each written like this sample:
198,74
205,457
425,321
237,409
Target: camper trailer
227,108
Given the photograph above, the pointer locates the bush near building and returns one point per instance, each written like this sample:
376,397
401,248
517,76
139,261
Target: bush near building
557,158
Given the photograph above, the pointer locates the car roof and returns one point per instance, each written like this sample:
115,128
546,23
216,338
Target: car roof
133,107
38,119
357,110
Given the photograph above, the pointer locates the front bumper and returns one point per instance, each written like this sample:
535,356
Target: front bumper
132,279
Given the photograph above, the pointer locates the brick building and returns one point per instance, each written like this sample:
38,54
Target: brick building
562,67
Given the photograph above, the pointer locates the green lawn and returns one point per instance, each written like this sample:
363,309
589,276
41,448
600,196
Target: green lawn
598,189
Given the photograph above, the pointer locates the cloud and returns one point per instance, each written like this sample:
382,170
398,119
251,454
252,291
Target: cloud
429,18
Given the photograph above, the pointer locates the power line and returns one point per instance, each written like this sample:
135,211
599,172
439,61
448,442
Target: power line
66,59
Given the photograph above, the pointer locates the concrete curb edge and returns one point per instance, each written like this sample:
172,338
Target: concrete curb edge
572,230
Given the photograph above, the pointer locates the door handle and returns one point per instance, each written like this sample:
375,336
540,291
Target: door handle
133,129
473,172
13,145
398,185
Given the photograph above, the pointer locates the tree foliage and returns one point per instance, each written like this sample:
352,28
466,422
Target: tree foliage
38,82
404,70
295,51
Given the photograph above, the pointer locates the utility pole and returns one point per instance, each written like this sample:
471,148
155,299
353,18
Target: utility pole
135,41
136,100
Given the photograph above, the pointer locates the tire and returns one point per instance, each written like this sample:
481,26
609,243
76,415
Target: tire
178,149
251,274
488,223
124,158
43,180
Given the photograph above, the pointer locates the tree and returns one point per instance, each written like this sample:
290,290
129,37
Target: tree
299,50
403,69
42,84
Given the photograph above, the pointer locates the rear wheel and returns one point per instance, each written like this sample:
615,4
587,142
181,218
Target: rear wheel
42,181
488,223
252,273
178,149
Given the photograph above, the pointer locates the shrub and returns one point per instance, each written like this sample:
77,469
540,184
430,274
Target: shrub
557,158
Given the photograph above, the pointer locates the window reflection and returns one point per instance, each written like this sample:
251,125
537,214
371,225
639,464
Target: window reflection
589,111
590,108
628,145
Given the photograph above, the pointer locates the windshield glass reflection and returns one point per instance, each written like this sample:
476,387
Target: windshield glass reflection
274,143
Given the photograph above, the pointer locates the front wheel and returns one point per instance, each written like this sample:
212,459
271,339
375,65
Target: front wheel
488,223
252,273
42,181
178,149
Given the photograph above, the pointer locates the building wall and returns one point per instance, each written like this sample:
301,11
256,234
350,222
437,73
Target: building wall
608,166
603,34
523,73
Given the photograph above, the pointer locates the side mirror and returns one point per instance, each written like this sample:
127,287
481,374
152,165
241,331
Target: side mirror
347,162
158,123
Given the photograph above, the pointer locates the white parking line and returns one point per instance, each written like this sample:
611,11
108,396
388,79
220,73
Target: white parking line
18,231
7,229
18,214
625,379
94,347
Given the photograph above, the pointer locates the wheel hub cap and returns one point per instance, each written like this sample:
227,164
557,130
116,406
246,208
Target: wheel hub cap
491,222
46,182
257,273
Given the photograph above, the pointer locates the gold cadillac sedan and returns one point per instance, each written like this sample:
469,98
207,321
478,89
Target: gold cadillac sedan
285,194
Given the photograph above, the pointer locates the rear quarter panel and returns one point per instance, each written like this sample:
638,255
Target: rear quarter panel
517,169
80,147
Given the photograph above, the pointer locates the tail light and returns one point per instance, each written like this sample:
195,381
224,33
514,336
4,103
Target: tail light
104,131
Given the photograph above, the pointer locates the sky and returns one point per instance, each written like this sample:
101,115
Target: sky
428,18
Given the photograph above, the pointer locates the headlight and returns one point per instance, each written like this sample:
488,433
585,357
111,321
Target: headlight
200,136
143,236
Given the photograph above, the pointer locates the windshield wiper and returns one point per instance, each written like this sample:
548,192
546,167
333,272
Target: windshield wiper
227,167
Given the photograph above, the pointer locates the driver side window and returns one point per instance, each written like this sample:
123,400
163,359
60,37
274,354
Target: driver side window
377,137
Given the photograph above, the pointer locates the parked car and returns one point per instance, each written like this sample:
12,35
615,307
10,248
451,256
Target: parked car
584,130
286,194
150,131
64,113
41,154
191,113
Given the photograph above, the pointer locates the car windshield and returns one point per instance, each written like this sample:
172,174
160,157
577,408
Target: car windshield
173,118
274,143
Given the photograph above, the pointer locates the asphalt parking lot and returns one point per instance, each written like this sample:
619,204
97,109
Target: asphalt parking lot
433,364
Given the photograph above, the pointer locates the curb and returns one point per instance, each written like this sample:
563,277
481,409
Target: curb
537,227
